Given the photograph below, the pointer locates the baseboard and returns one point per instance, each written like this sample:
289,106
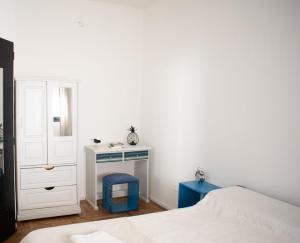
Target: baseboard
95,207
160,203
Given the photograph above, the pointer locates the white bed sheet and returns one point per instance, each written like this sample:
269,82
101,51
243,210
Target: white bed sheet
228,215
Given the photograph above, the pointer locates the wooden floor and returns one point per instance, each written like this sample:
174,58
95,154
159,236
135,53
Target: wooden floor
87,214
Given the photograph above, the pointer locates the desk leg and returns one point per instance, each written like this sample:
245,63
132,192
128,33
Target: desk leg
141,170
91,179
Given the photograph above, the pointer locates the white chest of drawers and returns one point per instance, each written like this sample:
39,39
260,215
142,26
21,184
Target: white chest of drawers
46,122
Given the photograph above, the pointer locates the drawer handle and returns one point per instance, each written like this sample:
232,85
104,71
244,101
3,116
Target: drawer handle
49,188
49,167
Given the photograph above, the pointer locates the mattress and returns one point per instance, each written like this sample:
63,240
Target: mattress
228,215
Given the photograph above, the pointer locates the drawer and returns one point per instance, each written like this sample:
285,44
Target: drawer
41,177
47,197
109,157
136,155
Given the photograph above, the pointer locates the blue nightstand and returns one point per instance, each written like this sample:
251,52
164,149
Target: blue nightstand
191,192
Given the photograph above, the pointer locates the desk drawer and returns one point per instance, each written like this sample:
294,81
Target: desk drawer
53,176
109,157
136,155
47,197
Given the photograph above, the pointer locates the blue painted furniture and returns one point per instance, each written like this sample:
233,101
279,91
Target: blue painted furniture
191,192
133,192
98,157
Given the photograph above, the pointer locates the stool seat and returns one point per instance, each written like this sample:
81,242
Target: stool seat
133,192
119,178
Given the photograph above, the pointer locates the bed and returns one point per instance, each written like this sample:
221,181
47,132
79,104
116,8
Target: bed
228,215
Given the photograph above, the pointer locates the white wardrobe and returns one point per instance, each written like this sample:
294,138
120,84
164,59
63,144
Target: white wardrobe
46,124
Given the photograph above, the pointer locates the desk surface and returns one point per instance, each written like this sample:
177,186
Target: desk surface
105,149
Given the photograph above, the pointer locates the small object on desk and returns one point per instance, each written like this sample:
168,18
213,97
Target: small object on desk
191,192
132,138
96,141
116,145
200,175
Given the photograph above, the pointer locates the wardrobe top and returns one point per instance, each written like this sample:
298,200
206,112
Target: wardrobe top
45,79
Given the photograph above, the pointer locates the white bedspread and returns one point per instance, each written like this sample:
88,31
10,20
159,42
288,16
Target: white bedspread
98,236
229,215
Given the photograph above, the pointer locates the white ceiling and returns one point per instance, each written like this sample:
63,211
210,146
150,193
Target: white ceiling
136,3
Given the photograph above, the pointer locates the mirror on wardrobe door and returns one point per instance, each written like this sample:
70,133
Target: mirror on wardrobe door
1,125
62,111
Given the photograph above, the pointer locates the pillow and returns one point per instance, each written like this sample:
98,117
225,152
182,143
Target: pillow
256,208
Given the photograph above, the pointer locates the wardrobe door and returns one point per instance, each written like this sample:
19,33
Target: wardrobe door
62,122
32,123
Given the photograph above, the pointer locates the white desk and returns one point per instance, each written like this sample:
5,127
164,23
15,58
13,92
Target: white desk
101,154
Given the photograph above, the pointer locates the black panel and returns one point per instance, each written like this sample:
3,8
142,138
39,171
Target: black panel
7,206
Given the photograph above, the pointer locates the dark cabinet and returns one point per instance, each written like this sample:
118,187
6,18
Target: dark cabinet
7,141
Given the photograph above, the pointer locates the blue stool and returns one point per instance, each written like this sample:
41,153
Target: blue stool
133,192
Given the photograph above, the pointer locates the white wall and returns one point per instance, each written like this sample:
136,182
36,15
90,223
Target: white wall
103,51
7,19
221,91
220,83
